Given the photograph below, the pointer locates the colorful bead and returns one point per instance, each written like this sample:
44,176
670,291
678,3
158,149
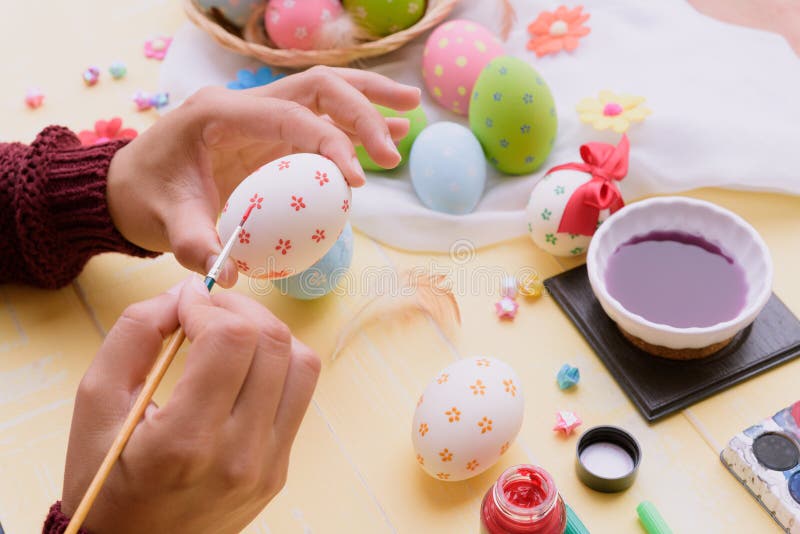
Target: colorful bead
118,70
142,101
530,285
157,48
508,287
159,100
91,76
566,422
34,98
568,376
506,308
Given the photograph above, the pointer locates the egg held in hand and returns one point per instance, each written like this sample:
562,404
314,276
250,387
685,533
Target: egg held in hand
300,202
322,277
448,170
467,417
455,54
513,115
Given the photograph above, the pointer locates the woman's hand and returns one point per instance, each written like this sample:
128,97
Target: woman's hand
216,453
166,188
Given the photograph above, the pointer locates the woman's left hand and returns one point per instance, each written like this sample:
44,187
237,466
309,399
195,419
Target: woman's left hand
166,187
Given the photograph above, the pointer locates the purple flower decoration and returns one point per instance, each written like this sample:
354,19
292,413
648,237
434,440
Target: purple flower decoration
245,78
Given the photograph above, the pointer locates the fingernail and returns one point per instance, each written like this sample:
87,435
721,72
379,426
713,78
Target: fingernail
359,172
196,284
390,143
176,289
211,261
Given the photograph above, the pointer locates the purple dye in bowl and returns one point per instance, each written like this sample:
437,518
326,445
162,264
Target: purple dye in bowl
676,279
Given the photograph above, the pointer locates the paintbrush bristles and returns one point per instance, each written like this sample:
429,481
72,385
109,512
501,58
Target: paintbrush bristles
428,294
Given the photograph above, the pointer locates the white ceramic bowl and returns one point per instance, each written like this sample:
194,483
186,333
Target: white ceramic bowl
715,224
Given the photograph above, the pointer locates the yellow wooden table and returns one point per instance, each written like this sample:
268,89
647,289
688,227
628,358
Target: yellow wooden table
353,468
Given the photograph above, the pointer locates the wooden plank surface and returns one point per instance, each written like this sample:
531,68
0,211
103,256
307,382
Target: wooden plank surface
353,468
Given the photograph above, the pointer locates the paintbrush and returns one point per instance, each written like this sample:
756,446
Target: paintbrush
150,385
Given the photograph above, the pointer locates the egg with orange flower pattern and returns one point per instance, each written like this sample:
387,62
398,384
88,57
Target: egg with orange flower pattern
299,204
455,54
467,418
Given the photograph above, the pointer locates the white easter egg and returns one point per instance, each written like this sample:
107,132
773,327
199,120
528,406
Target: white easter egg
448,169
546,207
467,418
300,203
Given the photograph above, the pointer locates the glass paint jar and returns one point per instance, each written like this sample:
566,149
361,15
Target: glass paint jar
524,500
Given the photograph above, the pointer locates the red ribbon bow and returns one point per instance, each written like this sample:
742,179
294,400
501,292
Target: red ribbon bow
607,164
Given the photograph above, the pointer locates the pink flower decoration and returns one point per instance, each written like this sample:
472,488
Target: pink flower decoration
566,422
34,98
105,131
157,47
506,308
560,30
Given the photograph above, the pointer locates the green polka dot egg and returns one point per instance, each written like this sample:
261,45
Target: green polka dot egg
416,122
545,209
513,115
384,17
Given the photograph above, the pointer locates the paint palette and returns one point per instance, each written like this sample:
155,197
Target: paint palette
766,459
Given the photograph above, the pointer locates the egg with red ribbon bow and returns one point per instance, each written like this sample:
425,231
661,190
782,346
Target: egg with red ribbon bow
568,205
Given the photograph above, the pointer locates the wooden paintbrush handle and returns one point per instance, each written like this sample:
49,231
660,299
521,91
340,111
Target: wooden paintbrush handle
150,385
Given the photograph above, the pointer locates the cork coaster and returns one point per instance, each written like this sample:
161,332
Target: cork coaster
676,354
668,382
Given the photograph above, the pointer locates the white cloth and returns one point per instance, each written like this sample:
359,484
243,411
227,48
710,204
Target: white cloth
725,101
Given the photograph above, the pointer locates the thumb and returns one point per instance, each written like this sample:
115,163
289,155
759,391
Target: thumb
194,240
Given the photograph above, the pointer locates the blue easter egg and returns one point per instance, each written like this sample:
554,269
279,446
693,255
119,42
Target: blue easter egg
448,169
322,277
236,11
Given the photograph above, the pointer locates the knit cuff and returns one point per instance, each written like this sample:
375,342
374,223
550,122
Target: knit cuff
68,213
56,522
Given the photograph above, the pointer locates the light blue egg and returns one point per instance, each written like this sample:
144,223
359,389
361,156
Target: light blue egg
236,11
448,169
322,277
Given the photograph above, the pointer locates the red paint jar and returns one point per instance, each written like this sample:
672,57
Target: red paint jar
524,500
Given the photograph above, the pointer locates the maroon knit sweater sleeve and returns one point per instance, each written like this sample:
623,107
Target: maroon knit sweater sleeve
53,212
56,522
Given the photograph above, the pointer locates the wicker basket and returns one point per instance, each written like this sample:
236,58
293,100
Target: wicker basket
256,44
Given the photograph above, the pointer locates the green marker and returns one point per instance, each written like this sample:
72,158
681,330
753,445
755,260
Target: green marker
574,524
651,520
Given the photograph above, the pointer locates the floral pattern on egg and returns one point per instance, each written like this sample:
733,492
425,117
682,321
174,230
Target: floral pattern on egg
467,418
454,56
546,207
294,24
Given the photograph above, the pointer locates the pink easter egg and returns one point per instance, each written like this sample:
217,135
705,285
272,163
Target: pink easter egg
294,23
454,56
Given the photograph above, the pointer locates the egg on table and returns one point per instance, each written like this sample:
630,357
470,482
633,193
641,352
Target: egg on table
384,17
237,12
545,208
448,170
467,418
513,115
322,277
301,203
416,122
295,23
455,54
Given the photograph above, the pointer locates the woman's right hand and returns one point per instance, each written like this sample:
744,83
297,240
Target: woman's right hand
217,451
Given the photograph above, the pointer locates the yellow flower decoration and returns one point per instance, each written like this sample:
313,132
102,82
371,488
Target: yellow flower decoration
611,110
